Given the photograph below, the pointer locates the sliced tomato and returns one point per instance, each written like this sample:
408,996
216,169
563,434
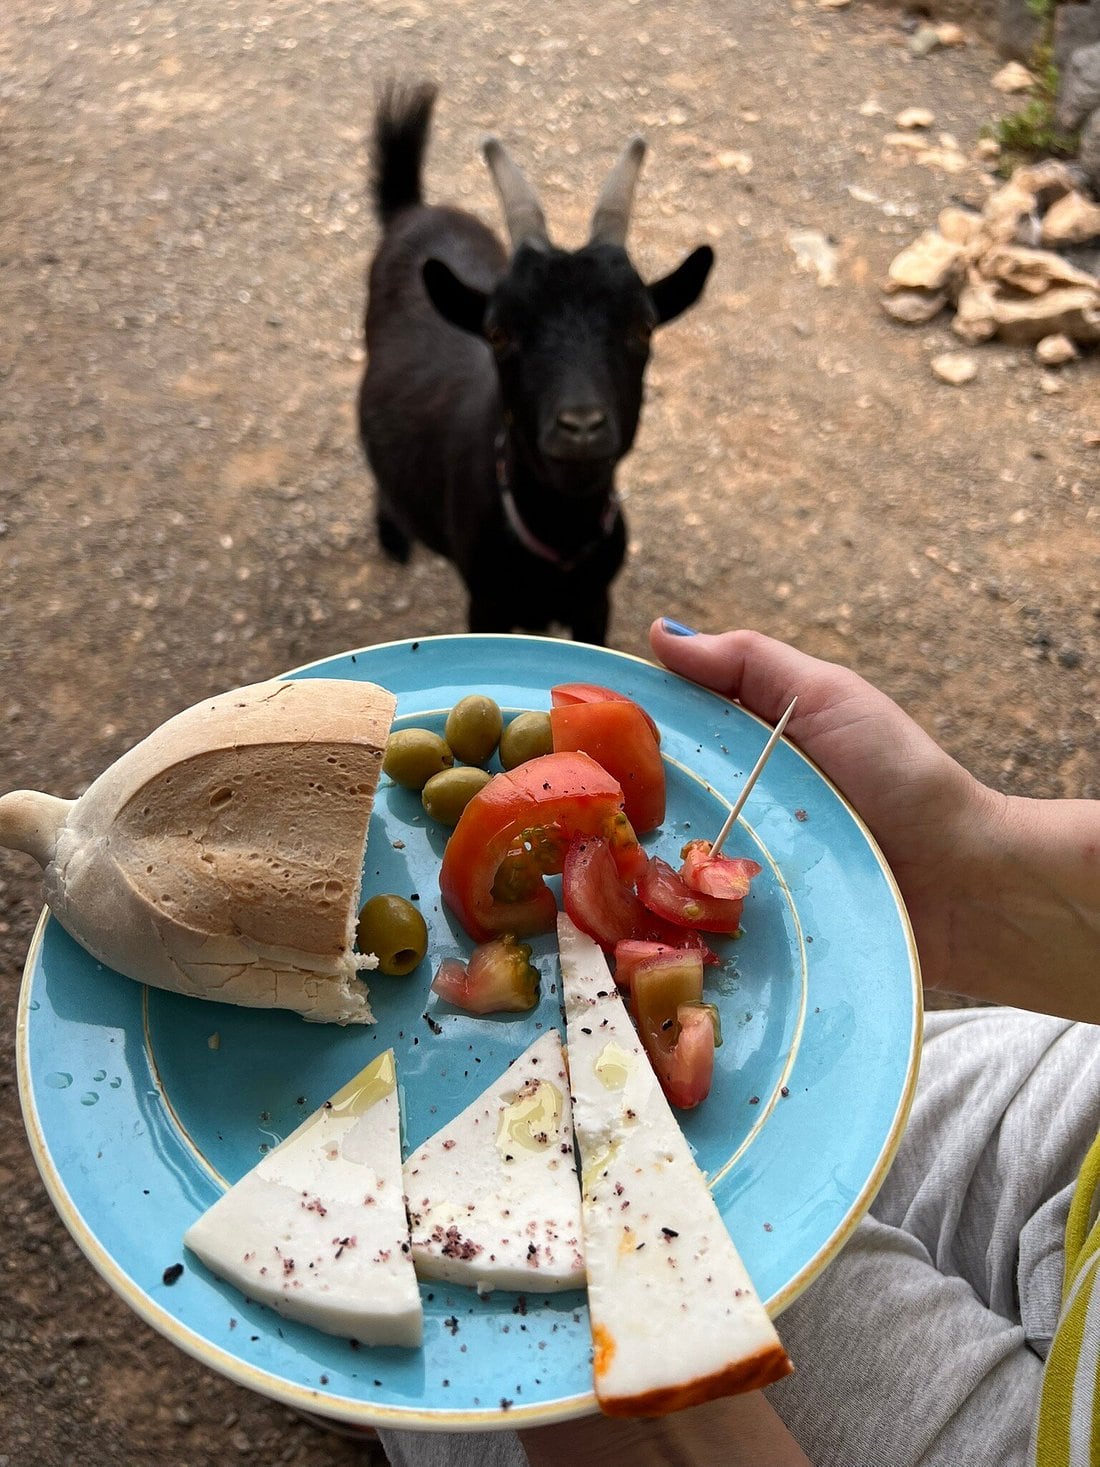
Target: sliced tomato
566,693
617,735
631,953
499,978
516,829
675,1028
596,897
605,906
667,894
717,876
686,1069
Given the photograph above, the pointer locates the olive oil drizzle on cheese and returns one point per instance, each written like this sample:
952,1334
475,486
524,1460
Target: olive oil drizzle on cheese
613,1066
371,1085
532,1121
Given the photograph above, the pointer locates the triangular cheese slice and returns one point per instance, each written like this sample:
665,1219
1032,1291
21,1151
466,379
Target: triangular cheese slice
675,1317
493,1197
317,1230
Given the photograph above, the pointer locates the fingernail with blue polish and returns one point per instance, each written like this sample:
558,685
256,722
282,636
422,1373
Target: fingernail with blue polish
676,628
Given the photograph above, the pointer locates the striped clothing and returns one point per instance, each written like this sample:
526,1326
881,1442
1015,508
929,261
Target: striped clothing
1068,1429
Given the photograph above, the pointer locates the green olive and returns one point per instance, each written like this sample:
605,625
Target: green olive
413,755
526,737
447,794
473,729
392,929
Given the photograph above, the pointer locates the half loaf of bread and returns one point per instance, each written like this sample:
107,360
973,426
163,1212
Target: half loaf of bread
221,857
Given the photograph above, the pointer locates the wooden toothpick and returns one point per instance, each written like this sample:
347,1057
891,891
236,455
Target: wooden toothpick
746,791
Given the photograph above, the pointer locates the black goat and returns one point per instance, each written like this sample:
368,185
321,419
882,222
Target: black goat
499,393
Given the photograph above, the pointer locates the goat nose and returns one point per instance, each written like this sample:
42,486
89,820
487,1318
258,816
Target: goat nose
581,422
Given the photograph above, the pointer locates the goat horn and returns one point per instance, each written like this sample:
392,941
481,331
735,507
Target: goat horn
522,211
611,218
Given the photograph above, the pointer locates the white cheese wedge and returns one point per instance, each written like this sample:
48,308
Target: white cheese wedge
675,1317
493,1197
317,1230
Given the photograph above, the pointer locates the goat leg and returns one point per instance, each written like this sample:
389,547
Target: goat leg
589,623
392,538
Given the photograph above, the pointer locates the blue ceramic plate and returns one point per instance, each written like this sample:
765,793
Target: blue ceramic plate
142,1106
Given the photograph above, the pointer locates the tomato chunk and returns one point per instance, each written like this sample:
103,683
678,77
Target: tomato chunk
686,1069
717,876
597,898
566,693
499,978
518,828
617,735
631,953
605,906
667,894
676,1029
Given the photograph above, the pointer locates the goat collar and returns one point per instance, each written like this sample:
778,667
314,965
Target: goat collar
531,541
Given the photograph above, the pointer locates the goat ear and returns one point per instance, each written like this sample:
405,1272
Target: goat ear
456,302
672,294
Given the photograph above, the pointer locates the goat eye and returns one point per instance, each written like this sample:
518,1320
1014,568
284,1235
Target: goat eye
498,339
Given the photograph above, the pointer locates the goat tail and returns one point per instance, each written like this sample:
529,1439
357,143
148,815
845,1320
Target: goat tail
402,123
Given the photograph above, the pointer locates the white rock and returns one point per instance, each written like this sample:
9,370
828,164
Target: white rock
955,368
1055,351
914,117
950,34
905,140
731,158
948,160
1013,78
928,263
1033,271
1068,310
813,253
1072,219
960,226
914,307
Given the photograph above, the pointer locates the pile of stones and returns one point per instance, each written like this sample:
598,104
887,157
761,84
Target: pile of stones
1009,271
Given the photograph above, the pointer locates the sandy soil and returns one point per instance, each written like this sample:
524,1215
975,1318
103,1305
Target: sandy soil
183,505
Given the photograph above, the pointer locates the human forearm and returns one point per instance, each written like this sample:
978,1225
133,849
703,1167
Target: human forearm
1022,901
737,1431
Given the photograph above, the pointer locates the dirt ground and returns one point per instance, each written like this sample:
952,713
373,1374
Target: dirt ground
183,505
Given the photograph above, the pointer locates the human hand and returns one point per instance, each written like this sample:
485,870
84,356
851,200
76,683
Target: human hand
921,806
1003,892
735,1431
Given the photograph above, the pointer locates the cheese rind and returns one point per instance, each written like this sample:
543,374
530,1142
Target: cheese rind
675,1317
317,1230
493,1197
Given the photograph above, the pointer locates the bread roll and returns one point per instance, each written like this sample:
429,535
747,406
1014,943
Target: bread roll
222,856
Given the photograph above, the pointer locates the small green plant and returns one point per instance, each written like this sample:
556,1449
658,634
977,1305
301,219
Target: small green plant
1033,131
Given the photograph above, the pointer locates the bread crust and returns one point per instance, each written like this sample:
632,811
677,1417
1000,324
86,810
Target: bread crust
221,857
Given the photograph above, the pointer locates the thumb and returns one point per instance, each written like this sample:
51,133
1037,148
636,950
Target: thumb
761,673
